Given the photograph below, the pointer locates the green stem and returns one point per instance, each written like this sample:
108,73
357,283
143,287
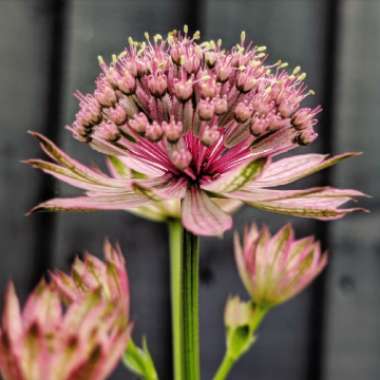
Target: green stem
231,357
191,306
176,276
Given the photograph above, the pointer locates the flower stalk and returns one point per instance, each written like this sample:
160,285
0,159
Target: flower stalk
191,306
176,273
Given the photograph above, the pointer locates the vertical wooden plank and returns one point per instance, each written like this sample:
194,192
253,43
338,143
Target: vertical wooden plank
102,28
293,31
25,48
353,326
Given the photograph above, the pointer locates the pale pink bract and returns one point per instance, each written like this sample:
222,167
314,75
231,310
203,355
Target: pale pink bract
192,130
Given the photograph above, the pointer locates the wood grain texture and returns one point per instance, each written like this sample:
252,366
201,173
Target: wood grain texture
25,49
353,326
282,350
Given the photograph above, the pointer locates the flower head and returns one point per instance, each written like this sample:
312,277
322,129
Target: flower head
109,277
276,268
46,341
196,127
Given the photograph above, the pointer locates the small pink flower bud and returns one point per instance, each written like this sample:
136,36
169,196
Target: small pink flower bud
139,123
287,107
173,131
221,105
208,88
307,136
107,131
258,126
157,85
183,90
104,93
210,58
210,136
126,83
276,122
206,109
242,112
117,114
191,63
303,118
154,132
245,82
181,158
223,72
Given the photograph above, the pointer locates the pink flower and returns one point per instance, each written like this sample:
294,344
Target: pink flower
91,274
44,341
276,268
194,129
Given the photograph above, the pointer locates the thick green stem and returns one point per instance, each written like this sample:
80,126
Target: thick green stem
176,274
191,306
245,338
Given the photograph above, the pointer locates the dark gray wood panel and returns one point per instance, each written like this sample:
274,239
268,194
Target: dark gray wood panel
25,29
352,347
102,28
293,31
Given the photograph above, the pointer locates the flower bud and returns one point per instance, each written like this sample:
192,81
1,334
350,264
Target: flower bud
307,136
117,114
210,136
126,83
158,85
206,109
181,158
139,123
106,131
183,90
104,93
242,112
208,88
154,132
245,82
221,105
173,131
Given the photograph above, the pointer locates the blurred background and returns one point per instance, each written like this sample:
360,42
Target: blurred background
49,48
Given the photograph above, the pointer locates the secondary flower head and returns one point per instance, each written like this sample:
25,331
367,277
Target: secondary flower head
91,274
276,268
196,125
46,341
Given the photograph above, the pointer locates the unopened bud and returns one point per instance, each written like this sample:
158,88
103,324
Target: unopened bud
206,109
104,93
181,158
183,90
210,136
106,131
158,85
245,82
208,88
307,136
139,123
173,131
126,83
221,105
154,132
242,112
118,115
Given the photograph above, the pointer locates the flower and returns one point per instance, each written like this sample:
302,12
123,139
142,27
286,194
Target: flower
276,268
91,274
192,130
44,341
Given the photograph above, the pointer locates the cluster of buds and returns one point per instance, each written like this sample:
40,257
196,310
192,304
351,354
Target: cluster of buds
83,339
182,95
276,268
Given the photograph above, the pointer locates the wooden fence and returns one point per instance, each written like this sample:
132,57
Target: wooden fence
49,48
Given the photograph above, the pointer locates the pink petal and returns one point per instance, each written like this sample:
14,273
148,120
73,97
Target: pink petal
235,179
319,203
291,169
11,321
92,203
276,143
202,216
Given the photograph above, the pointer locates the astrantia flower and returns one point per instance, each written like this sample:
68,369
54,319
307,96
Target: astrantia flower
87,275
44,341
276,268
194,128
